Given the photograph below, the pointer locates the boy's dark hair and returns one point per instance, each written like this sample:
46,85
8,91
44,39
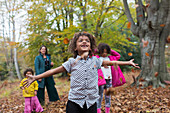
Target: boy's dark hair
72,45
45,48
28,70
103,46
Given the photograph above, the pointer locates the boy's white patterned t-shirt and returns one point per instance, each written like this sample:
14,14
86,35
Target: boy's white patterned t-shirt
84,80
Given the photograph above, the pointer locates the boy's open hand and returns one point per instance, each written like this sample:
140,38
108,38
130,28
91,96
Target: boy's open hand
29,81
133,64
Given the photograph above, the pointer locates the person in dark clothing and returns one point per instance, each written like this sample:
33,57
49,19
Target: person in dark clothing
43,63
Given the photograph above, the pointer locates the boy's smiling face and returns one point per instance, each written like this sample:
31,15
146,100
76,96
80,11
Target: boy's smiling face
83,45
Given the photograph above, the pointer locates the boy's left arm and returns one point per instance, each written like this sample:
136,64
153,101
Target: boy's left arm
111,63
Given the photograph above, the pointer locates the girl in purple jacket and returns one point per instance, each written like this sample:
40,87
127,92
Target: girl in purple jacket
108,76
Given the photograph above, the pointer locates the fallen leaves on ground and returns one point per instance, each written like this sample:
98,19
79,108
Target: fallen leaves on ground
124,99
139,100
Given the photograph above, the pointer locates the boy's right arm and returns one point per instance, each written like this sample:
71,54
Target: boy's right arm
44,75
51,72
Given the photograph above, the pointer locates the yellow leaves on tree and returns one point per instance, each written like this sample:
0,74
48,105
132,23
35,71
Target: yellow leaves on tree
129,25
13,43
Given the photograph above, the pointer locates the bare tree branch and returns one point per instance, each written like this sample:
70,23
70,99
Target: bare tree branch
163,4
107,9
134,28
58,23
84,14
140,12
166,29
100,18
113,21
123,25
114,7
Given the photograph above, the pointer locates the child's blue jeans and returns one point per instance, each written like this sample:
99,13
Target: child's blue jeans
107,98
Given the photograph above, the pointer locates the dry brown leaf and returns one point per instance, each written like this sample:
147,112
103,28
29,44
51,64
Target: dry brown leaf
147,54
147,5
128,38
168,39
66,41
162,25
130,54
100,77
156,74
129,25
145,43
140,15
132,70
141,80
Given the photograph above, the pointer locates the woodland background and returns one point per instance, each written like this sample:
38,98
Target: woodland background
28,24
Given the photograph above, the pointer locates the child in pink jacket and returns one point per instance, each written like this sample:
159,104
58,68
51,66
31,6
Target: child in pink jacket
108,76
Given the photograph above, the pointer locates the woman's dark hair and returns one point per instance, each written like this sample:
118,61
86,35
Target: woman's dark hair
45,49
103,46
28,70
72,45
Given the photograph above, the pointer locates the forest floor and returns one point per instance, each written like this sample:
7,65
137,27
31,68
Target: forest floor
126,99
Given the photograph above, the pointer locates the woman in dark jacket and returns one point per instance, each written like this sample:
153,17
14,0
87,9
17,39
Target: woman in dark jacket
42,64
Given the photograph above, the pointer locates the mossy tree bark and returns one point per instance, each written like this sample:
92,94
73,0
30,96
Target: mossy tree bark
153,28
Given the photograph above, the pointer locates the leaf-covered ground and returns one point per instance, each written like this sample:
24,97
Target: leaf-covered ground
126,99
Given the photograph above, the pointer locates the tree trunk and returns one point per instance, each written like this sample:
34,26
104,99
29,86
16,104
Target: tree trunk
154,70
15,53
5,46
84,21
152,29
71,13
16,64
